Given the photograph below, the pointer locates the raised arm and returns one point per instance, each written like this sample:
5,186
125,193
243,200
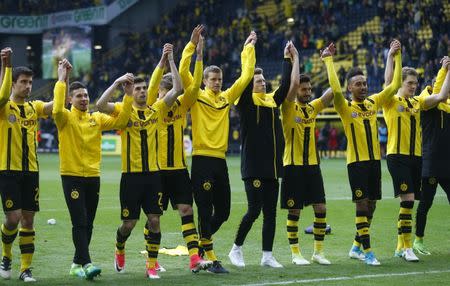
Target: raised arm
295,74
389,91
103,103
60,113
188,51
2,70
389,69
283,90
333,79
48,106
153,86
177,87
191,93
248,61
442,93
6,83
441,75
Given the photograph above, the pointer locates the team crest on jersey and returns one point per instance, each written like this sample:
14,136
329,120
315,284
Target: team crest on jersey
256,183
207,186
354,114
432,181
12,118
404,187
368,104
74,194
125,212
358,193
290,203
298,119
9,204
92,122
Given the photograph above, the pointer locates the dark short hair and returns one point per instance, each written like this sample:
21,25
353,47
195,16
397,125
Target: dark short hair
353,72
75,85
406,71
213,69
258,71
304,78
166,81
18,71
138,80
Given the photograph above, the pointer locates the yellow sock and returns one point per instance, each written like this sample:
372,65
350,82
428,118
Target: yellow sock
320,224
292,233
26,243
362,227
207,245
405,217
153,242
8,237
190,234
400,244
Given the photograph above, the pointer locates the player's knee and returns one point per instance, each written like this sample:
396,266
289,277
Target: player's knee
253,214
153,222
128,225
12,219
424,207
185,210
320,208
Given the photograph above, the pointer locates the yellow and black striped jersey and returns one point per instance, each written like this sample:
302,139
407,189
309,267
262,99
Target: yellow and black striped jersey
299,123
80,134
18,129
360,118
172,122
402,117
210,120
140,138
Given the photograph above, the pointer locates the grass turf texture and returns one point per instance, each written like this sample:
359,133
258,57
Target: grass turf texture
54,248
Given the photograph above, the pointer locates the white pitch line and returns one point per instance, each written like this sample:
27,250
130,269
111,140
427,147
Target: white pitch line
342,278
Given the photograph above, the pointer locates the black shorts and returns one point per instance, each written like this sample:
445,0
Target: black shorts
19,190
140,190
302,186
406,173
365,180
177,187
210,182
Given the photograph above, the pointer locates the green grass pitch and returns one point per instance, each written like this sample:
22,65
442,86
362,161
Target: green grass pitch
54,248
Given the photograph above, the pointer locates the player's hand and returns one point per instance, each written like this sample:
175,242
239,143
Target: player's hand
328,51
199,48
168,49
287,51
445,61
126,78
128,86
251,39
195,36
394,47
68,67
63,72
294,51
5,55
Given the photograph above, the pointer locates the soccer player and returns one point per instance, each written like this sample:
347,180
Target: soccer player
140,185
435,124
359,117
19,173
261,158
176,183
210,126
402,114
302,183
79,134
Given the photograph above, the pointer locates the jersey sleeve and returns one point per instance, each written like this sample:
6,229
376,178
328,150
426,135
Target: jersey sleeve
60,113
153,86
